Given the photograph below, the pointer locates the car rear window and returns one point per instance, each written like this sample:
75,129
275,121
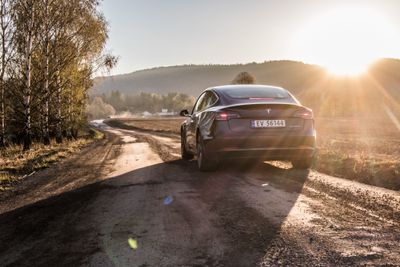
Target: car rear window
257,93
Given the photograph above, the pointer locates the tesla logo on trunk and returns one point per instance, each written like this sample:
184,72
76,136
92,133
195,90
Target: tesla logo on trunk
268,111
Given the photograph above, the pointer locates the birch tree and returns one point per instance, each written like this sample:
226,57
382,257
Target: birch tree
79,55
57,46
46,32
6,39
26,30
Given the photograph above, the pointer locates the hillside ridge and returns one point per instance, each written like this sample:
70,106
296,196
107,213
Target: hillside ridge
311,84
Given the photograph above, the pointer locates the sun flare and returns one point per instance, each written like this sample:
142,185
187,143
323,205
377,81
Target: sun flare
347,40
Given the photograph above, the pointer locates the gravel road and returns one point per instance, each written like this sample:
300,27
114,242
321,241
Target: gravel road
130,201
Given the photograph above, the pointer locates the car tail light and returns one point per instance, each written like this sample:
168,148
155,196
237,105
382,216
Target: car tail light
305,114
224,116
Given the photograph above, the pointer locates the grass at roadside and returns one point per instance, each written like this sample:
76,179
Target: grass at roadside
16,164
364,151
170,125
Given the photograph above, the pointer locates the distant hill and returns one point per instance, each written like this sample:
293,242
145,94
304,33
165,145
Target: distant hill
192,79
310,83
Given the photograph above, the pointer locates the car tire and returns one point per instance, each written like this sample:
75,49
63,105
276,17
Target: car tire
303,164
186,155
204,163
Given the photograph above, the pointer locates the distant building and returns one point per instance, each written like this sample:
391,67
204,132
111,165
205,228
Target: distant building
146,114
164,112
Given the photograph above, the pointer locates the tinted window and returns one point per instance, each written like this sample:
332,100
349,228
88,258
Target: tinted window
206,100
210,99
203,104
257,92
213,99
199,104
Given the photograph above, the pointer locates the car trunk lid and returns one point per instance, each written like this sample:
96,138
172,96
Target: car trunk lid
247,113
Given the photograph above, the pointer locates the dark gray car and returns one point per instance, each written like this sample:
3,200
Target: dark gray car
248,121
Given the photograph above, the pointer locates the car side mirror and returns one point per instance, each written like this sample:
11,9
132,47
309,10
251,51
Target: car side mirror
184,113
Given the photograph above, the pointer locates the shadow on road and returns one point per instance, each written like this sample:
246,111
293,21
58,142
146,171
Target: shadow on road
216,219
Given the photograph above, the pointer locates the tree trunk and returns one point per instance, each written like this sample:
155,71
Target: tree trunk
27,102
2,115
69,116
27,140
59,137
46,134
74,133
2,74
3,108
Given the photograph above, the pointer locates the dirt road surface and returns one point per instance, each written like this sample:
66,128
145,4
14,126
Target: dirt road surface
130,201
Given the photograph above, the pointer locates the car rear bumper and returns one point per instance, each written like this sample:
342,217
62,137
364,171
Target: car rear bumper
267,148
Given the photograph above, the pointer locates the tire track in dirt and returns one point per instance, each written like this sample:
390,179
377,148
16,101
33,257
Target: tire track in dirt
346,216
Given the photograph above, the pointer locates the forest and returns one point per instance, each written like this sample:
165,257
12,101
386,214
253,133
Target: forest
117,103
49,52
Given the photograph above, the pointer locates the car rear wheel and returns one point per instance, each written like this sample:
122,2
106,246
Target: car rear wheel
204,162
184,153
303,164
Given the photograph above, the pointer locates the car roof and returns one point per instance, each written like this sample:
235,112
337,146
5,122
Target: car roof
222,88
239,86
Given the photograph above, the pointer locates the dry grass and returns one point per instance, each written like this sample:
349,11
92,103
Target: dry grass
168,125
16,164
363,150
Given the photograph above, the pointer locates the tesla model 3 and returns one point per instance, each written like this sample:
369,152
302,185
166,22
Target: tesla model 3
255,122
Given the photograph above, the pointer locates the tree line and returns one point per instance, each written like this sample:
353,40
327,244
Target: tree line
115,102
49,51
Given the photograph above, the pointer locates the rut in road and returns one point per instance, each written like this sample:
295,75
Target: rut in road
207,223
334,221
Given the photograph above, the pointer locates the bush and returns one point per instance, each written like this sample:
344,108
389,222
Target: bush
244,78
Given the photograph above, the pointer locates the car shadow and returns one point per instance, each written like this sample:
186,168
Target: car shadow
61,231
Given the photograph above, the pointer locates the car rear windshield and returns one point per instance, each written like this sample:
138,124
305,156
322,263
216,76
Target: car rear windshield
260,93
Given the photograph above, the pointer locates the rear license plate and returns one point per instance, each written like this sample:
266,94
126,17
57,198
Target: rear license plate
268,124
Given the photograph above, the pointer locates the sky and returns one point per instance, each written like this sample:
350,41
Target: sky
342,35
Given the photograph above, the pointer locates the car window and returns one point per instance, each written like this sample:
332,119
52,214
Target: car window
260,92
199,103
211,99
206,100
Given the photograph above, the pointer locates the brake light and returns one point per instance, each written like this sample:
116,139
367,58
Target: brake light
224,116
305,114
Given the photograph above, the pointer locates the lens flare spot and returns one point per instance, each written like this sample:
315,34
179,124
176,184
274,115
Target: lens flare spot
168,200
132,243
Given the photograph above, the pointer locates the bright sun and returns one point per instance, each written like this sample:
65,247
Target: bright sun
346,40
